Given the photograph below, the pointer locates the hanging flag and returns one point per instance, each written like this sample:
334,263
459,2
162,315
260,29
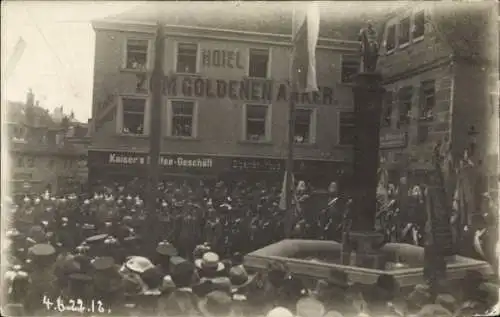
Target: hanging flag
15,57
285,192
305,33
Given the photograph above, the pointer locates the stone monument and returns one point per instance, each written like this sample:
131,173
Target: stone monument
361,243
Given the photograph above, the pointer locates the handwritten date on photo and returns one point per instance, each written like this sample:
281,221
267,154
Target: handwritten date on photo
75,305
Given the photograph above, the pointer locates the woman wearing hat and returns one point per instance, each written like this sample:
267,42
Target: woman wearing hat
209,265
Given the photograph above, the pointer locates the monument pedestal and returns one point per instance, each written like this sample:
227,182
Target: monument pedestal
362,249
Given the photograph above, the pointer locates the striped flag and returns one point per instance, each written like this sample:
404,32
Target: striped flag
305,33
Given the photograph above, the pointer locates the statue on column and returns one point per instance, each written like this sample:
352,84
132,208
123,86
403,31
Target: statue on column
369,48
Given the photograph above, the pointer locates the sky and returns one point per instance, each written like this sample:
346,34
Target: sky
58,61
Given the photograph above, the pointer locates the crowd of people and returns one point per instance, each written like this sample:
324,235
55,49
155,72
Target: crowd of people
89,255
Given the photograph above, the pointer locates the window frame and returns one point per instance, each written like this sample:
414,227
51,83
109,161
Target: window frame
268,123
176,57
170,116
120,115
148,54
268,66
385,109
313,123
399,28
342,59
339,129
425,84
413,19
389,26
399,105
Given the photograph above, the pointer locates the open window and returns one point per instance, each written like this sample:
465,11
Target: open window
136,54
187,58
133,116
304,126
404,32
347,128
256,123
258,64
182,118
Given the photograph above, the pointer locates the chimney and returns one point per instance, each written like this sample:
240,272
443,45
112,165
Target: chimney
30,98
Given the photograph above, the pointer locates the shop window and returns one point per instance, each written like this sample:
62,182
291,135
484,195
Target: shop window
390,42
418,25
350,67
256,122
405,98
187,57
387,110
182,118
258,63
137,54
429,100
133,115
304,126
404,31
347,128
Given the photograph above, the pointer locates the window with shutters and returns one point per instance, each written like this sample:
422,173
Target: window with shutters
428,100
182,118
257,123
387,110
418,28
187,58
404,31
350,67
404,101
347,128
304,126
133,115
390,41
258,63
136,54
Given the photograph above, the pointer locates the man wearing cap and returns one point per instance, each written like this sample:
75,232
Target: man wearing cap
108,283
42,274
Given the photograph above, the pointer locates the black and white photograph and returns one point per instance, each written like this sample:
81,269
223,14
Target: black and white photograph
250,158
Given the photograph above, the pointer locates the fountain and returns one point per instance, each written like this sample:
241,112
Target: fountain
361,256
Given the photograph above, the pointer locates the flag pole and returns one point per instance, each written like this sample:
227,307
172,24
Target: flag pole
155,125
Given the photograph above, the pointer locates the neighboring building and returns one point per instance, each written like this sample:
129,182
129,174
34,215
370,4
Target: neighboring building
440,66
226,76
42,155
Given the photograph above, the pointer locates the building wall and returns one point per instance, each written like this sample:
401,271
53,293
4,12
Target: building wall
220,121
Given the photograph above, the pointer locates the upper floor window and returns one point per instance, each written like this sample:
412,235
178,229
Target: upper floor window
387,110
347,128
133,115
390,42
418,25
404,31
258,63
187,58
405,102
350,67
137,54
304,127
257,122
429,100
182,119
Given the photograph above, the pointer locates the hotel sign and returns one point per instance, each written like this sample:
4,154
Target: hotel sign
393,139
248,89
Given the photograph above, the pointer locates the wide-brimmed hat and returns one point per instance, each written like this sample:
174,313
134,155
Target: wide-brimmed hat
165,248
216,303
42,251
239,277
138,264
210,262
309,307
200,250
279,312
96,239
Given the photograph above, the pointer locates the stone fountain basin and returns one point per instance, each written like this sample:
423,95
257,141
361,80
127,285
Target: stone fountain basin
316,259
